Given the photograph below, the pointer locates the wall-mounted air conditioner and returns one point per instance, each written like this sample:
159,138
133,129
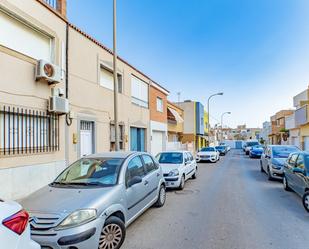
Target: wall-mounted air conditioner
58,105
48,71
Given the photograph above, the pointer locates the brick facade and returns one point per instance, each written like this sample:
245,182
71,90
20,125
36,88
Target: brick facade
156,115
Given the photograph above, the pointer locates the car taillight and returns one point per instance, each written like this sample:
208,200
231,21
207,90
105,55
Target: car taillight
17,222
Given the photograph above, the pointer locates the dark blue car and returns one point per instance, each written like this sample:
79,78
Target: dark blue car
222,150
296,176
256,151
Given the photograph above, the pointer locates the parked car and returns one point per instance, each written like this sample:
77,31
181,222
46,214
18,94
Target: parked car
249,144
177,167
256,151
91,203
208,154
273,159
222,150
296,176
228,148
14,227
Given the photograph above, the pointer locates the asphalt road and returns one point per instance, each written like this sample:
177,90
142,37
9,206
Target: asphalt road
231,205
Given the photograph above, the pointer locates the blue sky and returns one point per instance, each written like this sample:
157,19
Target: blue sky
255,51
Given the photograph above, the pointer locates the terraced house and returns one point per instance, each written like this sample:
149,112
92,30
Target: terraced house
58,105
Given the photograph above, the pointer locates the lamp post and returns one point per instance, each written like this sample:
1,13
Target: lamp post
115,76
222,123
208,124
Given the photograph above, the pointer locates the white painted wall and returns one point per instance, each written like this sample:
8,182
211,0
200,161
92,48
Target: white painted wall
19,182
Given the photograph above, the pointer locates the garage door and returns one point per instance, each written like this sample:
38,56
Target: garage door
157,142
306,143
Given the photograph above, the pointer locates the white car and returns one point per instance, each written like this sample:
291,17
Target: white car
208,154
14,227
177,167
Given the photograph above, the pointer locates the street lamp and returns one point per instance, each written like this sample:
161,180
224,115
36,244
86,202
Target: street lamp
222,123
115,76
208,124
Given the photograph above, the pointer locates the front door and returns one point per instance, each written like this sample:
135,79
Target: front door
137,139
86,138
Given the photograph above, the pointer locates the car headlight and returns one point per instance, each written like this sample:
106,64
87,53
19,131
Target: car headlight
276,166
174,172
78,218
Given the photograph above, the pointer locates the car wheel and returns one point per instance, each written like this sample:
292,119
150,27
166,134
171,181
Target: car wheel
162,197
285,184
113,233
270,178
262,170
306,201
195,173
182,182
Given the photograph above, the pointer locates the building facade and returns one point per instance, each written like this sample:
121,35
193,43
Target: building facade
32,138
278,134
193,124
158,118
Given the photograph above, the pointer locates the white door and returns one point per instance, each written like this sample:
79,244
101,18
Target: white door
306,143
157,142
86,138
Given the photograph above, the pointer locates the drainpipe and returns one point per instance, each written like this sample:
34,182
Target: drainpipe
68,120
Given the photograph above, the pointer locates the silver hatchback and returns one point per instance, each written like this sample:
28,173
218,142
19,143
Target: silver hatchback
91,203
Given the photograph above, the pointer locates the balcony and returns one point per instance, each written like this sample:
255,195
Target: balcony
58,5
290,122
301,116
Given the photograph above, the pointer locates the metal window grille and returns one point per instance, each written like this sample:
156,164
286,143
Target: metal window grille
24,131
52,3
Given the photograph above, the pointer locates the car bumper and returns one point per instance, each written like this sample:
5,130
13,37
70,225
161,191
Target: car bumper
206,159
172,182
277,173
82,237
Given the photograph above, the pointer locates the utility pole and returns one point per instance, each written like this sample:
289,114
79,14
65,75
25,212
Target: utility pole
208,110
115,76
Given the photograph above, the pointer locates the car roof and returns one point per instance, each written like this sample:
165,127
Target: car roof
282,145
113,154
175,151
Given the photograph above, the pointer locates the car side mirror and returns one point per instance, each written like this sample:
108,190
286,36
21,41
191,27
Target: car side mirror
134,180
298,170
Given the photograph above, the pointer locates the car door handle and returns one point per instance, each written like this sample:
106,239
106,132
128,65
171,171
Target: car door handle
146,183
158,174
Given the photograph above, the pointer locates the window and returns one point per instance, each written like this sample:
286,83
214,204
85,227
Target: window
135,168
107,79
293,159
149,163
300,162
159,104
24,131
139,92
22,38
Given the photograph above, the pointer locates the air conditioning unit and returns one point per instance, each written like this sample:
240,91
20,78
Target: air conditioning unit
48,71
58,105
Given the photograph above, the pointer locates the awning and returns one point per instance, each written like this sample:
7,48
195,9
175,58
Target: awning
178,118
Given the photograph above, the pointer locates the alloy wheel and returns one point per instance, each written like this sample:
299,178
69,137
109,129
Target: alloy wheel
162,195
110,237
306,201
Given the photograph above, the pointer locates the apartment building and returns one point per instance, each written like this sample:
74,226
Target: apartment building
32,132
56,97
264,134
301,116
278,134
158,118
193,131
175,120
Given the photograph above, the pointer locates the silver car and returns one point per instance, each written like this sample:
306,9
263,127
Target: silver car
91,203
273,160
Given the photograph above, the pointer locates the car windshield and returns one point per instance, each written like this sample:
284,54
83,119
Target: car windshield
91,172
220,147
170,158
250,144
283,151
208,149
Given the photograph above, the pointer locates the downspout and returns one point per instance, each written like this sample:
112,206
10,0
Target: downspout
68,120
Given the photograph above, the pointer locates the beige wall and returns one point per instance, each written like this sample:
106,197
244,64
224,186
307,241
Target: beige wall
189,117
89,99
22,174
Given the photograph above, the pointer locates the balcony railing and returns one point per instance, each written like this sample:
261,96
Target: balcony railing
52,3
